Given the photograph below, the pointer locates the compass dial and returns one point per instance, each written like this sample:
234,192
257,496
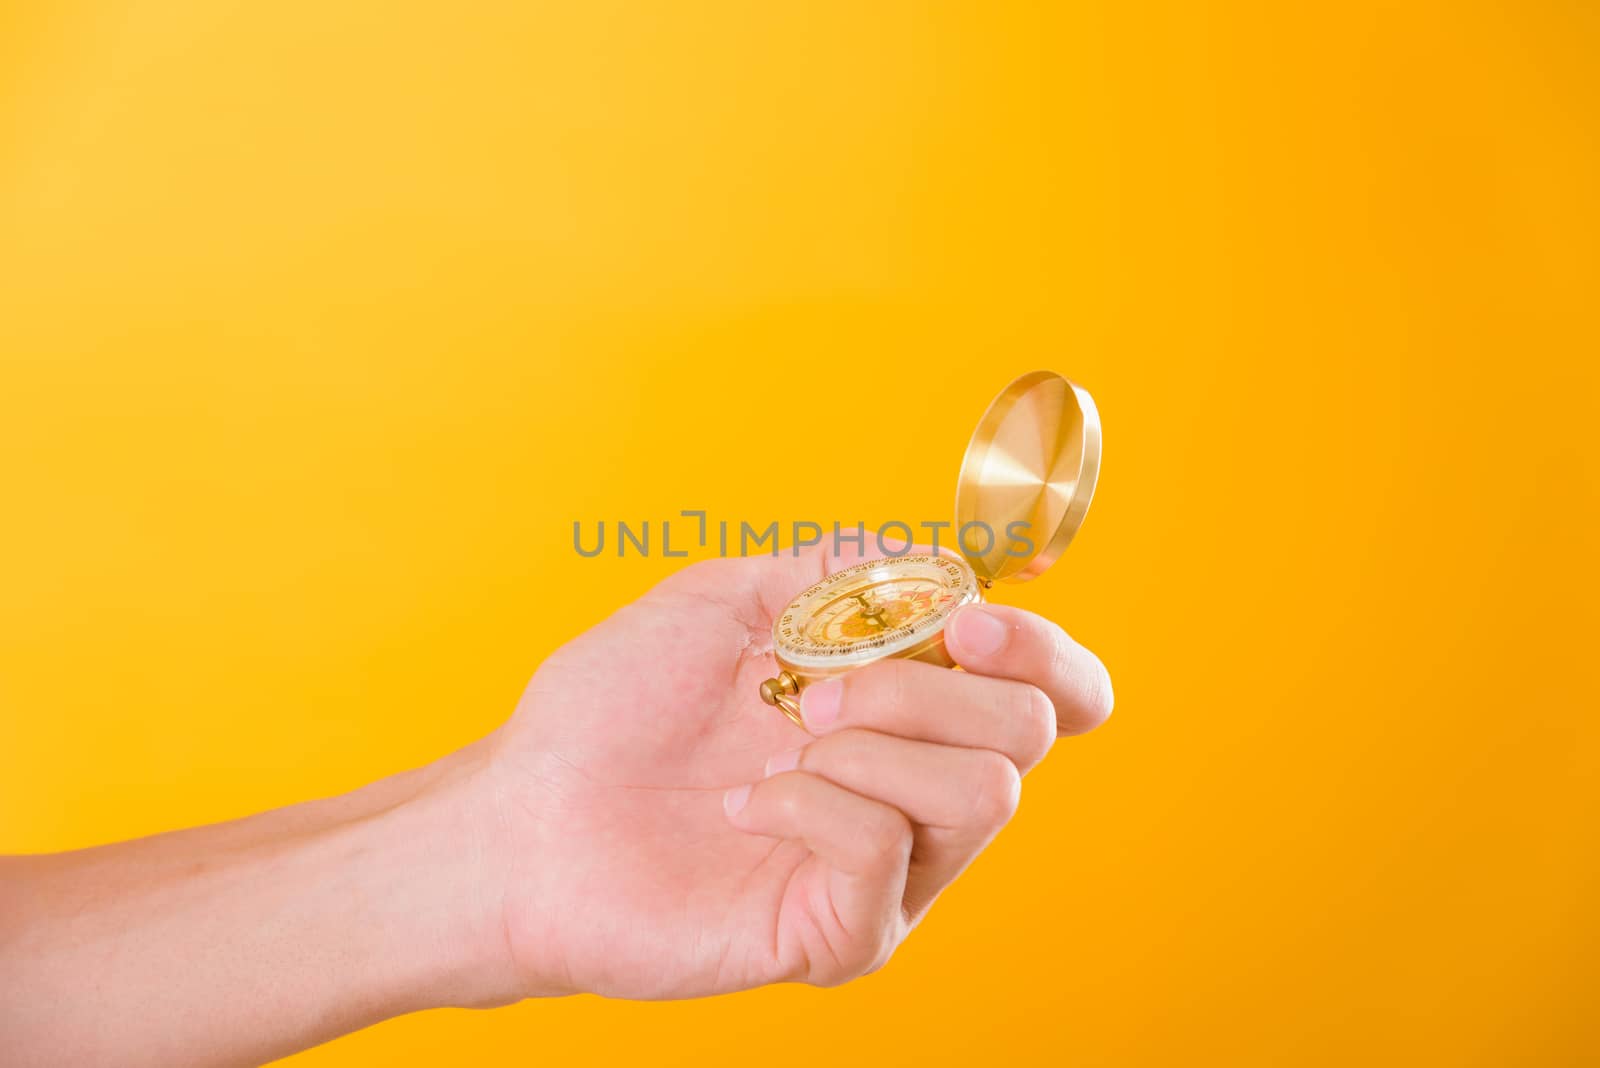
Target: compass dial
871,610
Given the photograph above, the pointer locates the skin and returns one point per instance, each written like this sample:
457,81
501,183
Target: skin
642,827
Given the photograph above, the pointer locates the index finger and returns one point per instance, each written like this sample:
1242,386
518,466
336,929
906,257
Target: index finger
1010,643
928,703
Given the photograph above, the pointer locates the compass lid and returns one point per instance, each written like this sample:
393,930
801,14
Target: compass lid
1027,478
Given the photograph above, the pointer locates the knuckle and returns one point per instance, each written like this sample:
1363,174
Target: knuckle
789,804
997,790
839,756
864,692
888,688
887,835
1037,723
864,955
1059,648
887,944
890,934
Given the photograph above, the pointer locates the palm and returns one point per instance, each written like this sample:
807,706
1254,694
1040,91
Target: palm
617,761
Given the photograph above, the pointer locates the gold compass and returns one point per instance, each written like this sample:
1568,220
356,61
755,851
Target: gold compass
1025,486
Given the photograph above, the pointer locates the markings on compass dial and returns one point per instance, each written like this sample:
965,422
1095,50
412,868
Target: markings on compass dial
873,606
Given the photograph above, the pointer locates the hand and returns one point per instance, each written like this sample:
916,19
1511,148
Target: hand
642,827
660,833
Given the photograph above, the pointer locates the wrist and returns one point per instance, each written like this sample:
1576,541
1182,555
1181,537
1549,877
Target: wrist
436,874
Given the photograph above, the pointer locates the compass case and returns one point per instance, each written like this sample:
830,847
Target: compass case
1030,469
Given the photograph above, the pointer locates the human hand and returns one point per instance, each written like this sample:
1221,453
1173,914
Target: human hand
659,833
642,827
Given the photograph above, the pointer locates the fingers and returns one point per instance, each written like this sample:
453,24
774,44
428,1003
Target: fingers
957,799
866,847
973,791
915,768
1010,643
933,704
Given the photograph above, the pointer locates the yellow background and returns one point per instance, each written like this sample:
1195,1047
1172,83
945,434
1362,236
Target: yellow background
321,323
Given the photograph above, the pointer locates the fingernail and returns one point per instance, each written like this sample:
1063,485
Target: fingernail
779,763
734,800
819,703
978,631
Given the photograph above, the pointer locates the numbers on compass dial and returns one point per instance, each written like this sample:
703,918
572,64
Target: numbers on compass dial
873,609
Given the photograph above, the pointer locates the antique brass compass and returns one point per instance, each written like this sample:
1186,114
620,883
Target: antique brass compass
1025,486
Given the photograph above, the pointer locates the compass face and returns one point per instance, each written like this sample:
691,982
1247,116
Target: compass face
872,610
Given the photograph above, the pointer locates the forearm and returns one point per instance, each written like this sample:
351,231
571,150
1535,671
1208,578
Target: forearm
238,943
